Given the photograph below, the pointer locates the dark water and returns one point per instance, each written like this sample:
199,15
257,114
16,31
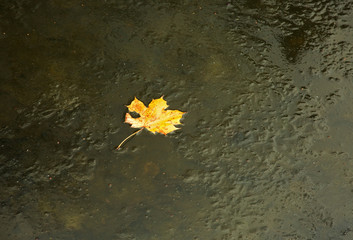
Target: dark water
265,151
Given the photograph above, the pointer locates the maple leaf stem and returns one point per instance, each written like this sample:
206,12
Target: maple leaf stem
128,138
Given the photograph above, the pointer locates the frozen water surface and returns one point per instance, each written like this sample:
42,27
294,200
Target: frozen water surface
265,151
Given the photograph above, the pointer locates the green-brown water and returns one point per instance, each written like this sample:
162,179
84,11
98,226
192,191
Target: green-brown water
265,147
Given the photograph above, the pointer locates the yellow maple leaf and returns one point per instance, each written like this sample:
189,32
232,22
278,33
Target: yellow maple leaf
154,117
